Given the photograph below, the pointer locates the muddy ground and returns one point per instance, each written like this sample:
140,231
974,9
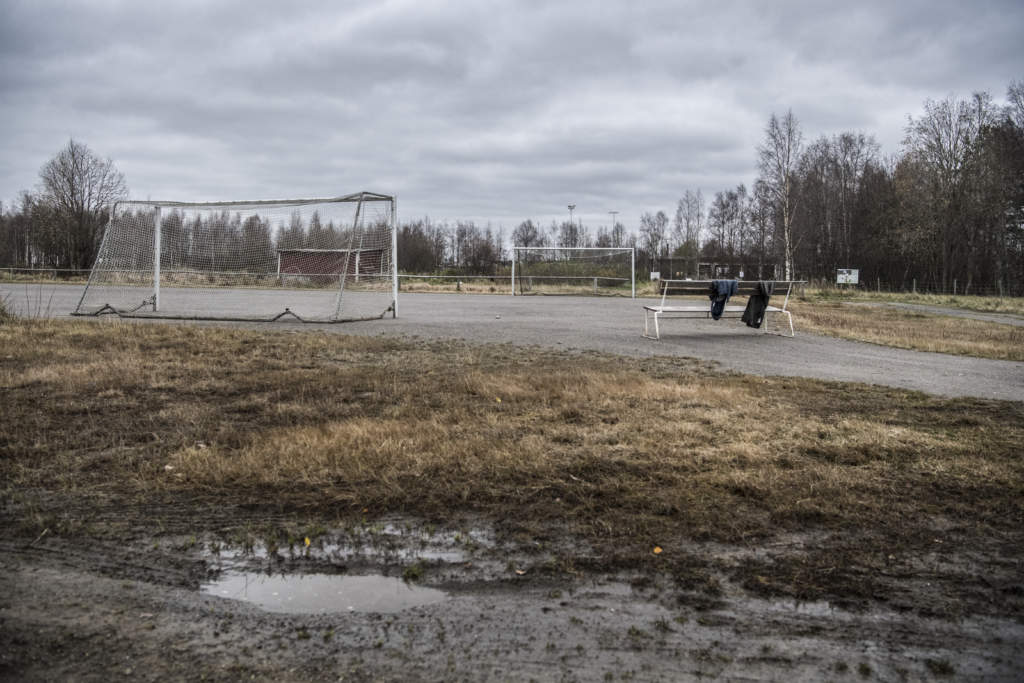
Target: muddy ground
135,597
94,586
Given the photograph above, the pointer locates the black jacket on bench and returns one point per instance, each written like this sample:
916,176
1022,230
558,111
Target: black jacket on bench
753,314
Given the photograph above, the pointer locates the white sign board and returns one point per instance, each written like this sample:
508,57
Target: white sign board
847,276
655,275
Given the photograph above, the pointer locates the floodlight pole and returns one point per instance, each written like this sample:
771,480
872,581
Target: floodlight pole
614,214
572,207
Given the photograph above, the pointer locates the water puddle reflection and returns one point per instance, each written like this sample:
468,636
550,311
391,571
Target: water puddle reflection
322,593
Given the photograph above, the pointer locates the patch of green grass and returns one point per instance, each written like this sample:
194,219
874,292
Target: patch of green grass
635,632
939,667
412,573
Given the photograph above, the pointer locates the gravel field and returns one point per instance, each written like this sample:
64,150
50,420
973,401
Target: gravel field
614,325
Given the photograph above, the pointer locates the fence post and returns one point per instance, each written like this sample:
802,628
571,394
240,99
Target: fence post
915,285
878,284
954,286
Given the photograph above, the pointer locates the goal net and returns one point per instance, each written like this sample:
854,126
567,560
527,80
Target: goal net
561,270
323,260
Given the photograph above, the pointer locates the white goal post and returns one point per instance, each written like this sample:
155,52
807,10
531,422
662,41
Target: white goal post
574,270
314,260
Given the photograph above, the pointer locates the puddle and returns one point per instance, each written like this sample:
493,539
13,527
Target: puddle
322,593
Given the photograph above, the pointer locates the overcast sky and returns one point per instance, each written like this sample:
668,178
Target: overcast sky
490,111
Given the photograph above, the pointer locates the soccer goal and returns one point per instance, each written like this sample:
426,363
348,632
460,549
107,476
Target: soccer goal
315,260
579,270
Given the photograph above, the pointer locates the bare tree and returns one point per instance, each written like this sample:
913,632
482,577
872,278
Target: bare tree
689,219
618,235
653,234
527,234
777,161
1015,103
572,234
760,211
78,189
943,144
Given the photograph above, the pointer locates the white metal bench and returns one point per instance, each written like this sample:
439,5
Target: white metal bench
697,302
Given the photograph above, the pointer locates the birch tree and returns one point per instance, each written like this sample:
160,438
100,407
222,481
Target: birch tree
777,160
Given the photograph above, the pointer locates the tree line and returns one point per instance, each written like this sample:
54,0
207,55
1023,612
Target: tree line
947,208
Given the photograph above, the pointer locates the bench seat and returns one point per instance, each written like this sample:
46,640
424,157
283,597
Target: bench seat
699,306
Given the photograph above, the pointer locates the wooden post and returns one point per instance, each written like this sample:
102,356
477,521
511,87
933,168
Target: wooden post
954,286
915,285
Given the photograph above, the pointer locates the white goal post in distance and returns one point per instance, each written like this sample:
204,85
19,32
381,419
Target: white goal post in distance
315,260
574,270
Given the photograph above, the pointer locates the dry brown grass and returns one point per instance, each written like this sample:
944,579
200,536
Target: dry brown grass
984,304
625,452
497,285
907,329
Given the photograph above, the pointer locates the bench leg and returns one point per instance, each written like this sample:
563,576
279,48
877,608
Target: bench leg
646,325
789,318
646,329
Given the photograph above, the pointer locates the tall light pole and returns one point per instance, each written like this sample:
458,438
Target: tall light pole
614,214
572,207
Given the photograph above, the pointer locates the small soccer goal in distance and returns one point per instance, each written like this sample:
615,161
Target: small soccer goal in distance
601,271
316,260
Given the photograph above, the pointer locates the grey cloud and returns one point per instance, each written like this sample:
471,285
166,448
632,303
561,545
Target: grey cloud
482,110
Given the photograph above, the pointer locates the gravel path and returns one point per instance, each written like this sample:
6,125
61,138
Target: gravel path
614,325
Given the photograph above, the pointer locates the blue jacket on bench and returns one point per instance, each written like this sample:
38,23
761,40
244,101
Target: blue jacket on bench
720,292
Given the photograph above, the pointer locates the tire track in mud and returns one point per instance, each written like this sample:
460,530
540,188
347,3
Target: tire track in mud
110,560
